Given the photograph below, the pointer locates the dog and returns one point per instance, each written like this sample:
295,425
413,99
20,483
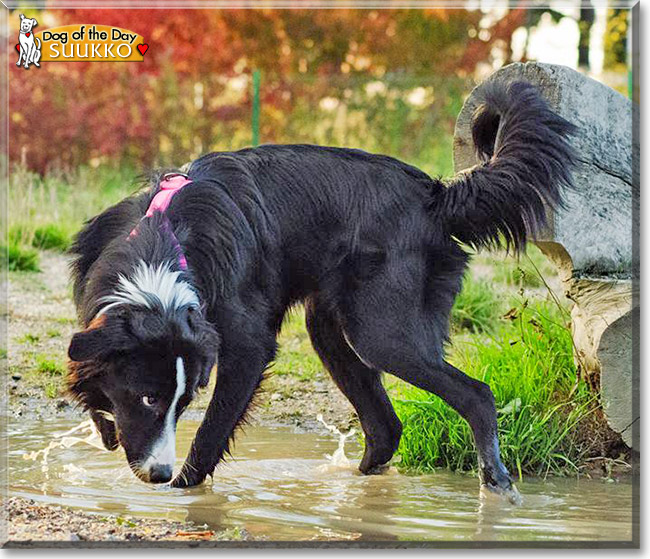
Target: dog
201,268
30,52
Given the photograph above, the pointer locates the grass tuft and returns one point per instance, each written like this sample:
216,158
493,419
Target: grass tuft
477,307
49,366
51,237
295,355
22,259
30,339
52,390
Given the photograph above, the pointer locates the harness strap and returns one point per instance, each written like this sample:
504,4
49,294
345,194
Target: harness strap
170,185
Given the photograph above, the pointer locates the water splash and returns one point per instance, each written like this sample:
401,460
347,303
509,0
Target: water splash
338,459
66,440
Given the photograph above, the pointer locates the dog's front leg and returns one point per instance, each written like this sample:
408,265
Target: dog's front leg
242,361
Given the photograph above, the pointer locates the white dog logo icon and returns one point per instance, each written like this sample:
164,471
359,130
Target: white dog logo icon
30,53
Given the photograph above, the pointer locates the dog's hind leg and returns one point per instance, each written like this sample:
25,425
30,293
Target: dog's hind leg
471,398
360,384
392,334
474,401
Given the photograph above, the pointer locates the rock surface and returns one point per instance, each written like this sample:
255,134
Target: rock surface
591,239
595,227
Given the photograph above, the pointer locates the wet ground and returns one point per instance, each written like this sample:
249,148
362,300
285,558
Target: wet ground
288,484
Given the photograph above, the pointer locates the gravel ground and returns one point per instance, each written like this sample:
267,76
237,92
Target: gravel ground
32,524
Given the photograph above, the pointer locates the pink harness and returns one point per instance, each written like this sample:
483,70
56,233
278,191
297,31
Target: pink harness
170,185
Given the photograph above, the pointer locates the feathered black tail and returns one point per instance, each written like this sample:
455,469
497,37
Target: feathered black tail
527,160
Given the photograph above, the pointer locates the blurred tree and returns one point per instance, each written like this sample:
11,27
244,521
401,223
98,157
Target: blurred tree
616,39
192,92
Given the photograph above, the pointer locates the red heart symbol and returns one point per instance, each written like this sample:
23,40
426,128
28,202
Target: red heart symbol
18,48
28,34
143,48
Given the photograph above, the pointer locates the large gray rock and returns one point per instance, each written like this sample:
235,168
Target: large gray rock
591,238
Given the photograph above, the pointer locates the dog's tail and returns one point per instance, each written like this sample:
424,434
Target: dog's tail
527,160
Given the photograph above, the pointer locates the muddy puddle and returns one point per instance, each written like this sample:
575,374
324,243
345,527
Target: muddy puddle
283,484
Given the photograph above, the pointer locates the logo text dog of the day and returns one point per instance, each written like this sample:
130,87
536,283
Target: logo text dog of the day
92,42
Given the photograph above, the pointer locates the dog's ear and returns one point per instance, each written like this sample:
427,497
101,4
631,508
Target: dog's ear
104,335
82,386
106,427
34,23
22,16
84,390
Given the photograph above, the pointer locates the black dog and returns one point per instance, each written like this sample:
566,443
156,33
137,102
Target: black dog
368,243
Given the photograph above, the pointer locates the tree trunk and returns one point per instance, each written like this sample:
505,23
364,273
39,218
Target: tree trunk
586,21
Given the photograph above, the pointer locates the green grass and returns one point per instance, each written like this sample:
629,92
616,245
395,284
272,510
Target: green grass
477,307
29,339
21,258
46,211
526,271
47,366
295,355
528,363
52,390
50,236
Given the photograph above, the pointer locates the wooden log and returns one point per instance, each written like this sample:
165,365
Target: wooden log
590,240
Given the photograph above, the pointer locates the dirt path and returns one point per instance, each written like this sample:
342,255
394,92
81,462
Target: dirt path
42,320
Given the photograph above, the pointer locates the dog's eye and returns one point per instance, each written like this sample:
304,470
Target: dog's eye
149,401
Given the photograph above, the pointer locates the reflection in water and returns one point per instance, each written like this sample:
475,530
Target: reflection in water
281,485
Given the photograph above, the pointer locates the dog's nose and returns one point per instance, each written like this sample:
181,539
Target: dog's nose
160,473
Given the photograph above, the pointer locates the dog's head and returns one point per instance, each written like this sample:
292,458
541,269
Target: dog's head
27,24
136,369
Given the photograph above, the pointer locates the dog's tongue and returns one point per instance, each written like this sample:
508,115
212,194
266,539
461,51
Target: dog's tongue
28,34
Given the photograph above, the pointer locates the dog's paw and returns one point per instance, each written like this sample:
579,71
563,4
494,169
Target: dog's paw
187,478
510,494
377,470
497,481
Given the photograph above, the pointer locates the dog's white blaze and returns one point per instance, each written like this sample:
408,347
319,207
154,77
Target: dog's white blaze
164,449
159,281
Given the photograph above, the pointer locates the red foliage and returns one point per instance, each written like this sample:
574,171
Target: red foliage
67,113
